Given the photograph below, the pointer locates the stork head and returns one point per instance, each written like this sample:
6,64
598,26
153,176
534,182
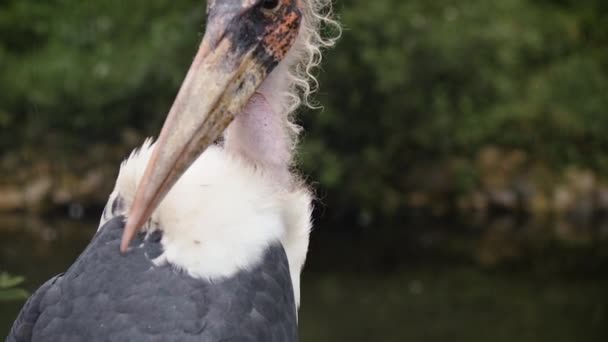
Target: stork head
244,41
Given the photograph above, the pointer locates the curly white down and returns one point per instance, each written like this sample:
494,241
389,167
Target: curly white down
221,215
293,82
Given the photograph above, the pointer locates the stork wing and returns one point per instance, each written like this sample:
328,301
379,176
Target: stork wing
24,324
108,297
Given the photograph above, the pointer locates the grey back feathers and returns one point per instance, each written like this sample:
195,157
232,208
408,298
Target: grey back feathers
107,297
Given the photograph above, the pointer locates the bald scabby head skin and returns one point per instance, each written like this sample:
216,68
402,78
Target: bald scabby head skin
244,41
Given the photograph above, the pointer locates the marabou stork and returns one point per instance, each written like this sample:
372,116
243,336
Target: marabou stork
202,241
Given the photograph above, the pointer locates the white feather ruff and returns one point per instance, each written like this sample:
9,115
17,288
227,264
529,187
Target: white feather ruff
222,214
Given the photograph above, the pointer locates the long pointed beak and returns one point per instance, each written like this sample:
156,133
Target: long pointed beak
219,83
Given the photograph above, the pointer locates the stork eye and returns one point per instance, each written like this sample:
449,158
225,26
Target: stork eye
270,4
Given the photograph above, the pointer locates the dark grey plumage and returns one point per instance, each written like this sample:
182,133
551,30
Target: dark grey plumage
107,297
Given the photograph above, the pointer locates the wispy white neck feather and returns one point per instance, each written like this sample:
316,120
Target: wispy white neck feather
221,215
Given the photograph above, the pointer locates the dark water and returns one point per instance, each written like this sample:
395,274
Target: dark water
422,280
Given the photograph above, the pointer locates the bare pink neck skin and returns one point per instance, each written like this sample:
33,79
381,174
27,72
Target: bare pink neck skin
261,132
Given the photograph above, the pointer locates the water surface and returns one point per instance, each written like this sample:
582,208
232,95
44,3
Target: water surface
504,279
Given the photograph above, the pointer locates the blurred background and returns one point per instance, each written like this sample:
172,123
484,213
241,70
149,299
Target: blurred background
460,161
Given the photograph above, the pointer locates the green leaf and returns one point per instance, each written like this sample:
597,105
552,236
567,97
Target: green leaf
8,281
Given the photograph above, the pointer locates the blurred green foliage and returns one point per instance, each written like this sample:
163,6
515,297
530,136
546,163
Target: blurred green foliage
410,82
84,69
417,81
9,288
